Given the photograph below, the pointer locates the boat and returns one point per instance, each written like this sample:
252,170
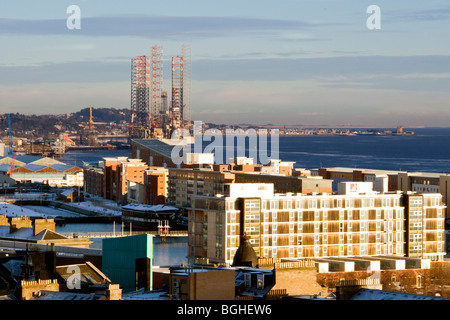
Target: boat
151,217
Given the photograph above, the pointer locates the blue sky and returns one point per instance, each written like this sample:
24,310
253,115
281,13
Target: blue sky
308,62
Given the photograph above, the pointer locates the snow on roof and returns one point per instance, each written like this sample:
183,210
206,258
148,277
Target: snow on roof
12,210
27,233
145,207
58,295
370,294
67,192
145,295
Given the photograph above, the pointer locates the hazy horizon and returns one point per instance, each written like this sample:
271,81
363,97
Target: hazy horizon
286,62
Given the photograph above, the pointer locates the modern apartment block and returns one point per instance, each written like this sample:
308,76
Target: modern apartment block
355,222
388,180
185,183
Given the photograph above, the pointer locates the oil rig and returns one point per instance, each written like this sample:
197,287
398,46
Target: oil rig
154,113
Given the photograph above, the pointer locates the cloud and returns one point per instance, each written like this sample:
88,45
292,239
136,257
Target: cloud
154,27
436,14
402,72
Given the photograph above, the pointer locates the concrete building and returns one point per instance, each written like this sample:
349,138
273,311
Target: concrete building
202,284
383,180
388,180
315,225
185,183
128,261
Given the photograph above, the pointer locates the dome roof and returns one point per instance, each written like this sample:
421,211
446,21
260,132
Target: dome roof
245,254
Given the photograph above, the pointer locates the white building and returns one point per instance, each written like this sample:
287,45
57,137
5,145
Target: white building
361,223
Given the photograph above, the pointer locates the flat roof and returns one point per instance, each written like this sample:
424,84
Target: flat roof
156,145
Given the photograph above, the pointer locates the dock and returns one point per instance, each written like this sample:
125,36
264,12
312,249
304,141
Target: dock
91,235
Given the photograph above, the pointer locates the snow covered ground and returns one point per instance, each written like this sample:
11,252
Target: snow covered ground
12,210
96,206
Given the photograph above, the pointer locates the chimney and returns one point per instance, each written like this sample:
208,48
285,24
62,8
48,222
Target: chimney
3,220
42,224
19,222
113,292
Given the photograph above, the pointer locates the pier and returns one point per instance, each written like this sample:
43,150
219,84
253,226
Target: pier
174,233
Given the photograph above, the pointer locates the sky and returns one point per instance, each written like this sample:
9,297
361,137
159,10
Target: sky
287,62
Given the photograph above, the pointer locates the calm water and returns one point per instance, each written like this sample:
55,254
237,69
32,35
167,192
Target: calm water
428,150
173,252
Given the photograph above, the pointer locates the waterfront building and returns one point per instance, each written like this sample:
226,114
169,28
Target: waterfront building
109,178
389,180
358,222
153,190
186,183
34,169
150,217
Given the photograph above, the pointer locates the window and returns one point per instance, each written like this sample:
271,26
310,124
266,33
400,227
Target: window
291,227
288,204
273,204
324,203
291,216
317,215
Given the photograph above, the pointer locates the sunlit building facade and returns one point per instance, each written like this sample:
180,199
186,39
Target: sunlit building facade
352,223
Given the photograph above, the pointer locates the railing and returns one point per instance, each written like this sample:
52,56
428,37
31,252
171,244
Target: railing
27,197
72,235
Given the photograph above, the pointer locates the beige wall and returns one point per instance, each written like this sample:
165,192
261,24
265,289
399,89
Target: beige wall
214,285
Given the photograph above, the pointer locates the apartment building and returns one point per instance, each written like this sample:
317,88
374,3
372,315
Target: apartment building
388,180
153,190
109,178
354,222
185,183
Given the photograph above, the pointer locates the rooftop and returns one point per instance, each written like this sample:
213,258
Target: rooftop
157,146
370,294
